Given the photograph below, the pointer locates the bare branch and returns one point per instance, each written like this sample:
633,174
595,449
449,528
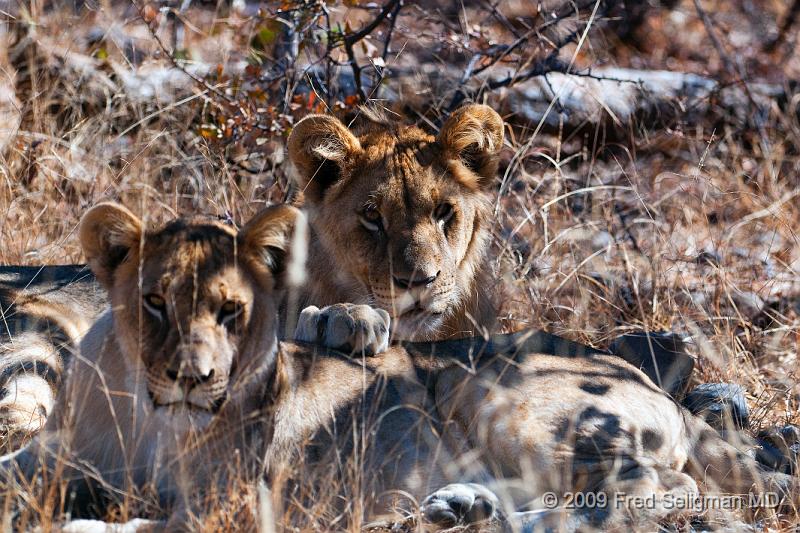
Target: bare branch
390,6
198,80
550,63
389,11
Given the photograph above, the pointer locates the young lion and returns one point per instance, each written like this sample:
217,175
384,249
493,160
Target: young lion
404,219
173,384
183,384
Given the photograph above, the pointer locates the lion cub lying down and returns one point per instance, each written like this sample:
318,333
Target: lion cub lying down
172,389
183,386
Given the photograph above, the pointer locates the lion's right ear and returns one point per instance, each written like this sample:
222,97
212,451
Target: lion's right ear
320,146
276,239
109,232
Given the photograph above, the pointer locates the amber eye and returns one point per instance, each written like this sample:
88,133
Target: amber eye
371,219
443,212
229,310
155,305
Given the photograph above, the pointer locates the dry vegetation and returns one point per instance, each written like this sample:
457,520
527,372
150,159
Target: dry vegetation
683,218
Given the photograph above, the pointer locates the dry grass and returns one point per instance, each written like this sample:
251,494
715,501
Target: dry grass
690,226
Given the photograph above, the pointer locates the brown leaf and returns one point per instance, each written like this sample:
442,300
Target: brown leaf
149,13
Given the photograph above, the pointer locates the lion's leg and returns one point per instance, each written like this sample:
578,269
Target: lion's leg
44,472
350,328
564,447
639,497
461,504
723,468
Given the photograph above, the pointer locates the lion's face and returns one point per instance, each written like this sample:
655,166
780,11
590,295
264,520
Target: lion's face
194,310
195,304
404,214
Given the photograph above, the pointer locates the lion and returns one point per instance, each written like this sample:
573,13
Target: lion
399,233
184,384
40,327
499,433
172,385
405,217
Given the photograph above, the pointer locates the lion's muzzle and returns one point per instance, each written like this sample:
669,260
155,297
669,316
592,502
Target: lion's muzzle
196,377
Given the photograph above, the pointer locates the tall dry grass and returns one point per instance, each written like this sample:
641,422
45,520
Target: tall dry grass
689,226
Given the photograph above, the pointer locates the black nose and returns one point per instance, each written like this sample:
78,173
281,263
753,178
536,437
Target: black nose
414,281
188,380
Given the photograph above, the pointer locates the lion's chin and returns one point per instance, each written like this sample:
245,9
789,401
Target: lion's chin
417,325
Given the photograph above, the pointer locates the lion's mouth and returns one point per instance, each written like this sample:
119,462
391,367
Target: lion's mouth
416,304
185,404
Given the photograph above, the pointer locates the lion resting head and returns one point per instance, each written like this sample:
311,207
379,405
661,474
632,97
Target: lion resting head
191,301
400,218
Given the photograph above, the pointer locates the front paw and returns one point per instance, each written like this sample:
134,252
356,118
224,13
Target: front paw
356,329
461,504
24,406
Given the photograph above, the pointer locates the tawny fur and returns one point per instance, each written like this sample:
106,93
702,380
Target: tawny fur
370,435
405,176
171,404
405,170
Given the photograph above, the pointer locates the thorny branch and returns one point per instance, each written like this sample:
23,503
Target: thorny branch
175,63
389,11
497,53
381,70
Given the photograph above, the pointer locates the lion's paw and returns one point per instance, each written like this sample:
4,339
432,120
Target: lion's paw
357,329
24,407
461,503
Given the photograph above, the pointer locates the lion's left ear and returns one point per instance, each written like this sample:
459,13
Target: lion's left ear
277,239
473,135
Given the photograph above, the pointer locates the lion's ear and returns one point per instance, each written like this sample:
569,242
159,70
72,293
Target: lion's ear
319,146
473,134
277,239
109,232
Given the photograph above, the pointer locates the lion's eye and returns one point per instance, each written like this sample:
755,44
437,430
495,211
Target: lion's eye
371,219
229,310
155,305
443,212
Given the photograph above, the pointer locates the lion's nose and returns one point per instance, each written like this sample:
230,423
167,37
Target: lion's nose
414,280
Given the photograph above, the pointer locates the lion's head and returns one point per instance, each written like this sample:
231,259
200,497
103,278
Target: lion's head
194,303
399,217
